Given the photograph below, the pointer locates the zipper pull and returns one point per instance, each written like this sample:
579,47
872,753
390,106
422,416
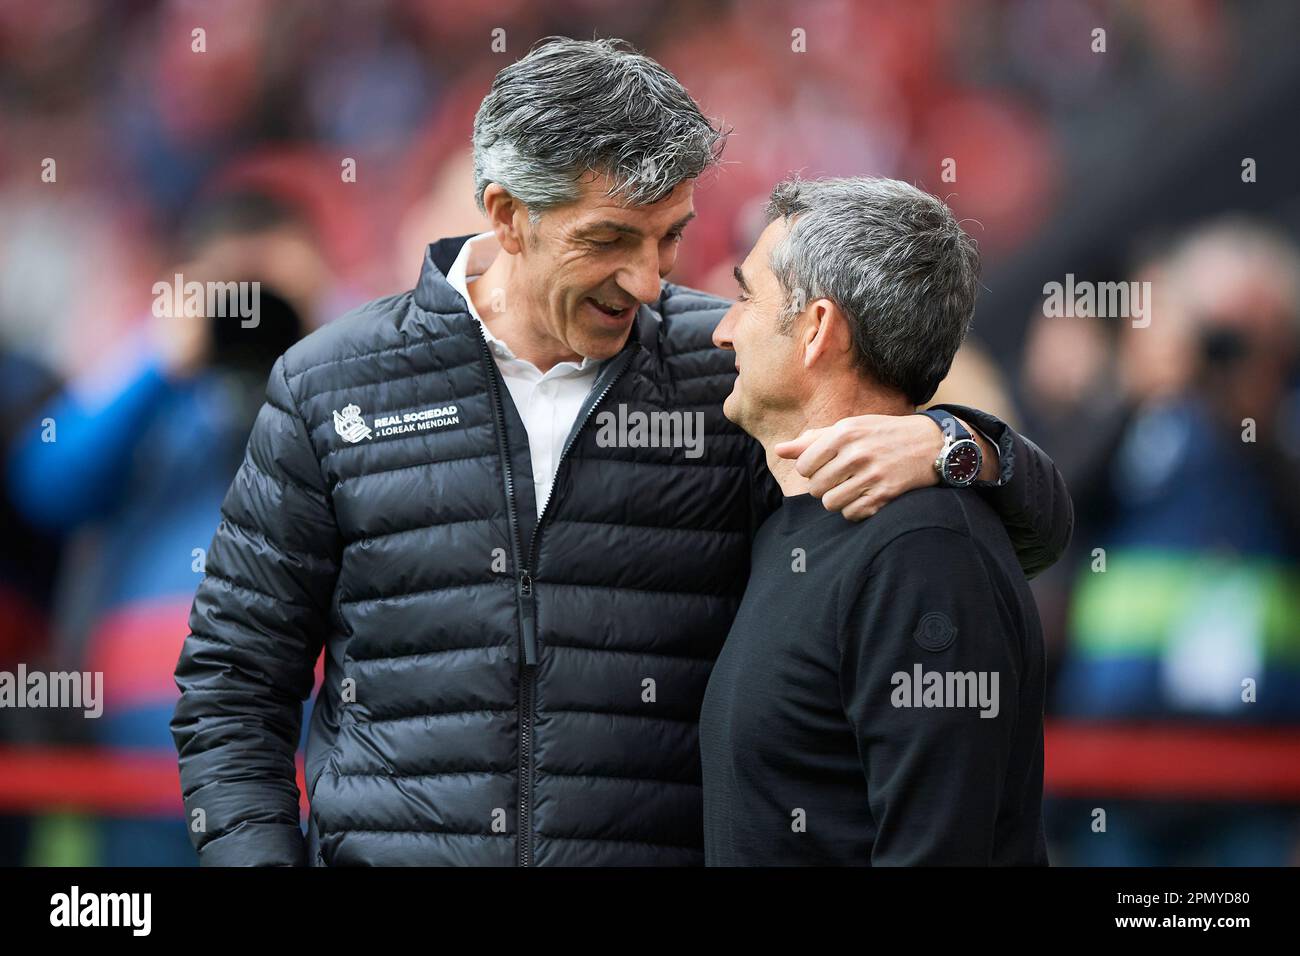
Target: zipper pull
528,610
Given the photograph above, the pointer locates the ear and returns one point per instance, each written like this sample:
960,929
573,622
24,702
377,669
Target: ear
507,216
824,333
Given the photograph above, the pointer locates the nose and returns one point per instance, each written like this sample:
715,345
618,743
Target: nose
640,278
722,332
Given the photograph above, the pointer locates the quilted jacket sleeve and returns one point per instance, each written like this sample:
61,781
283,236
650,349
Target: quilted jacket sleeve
1029,496
256,629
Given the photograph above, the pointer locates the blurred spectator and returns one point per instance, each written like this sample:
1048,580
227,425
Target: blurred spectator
143,452
1193,594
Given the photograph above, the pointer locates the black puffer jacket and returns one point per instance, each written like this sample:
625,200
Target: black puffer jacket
486,675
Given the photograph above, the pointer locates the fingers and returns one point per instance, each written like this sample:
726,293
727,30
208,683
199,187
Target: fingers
833,458
839,476
864,507
858,508
859,496
796,446
842,466
824,447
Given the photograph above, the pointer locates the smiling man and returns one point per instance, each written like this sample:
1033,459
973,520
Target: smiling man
518,617
879,699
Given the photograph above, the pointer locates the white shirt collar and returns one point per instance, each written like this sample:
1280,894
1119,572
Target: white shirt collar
475,256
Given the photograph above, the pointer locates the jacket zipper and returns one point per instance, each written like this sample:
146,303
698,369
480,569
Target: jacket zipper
530,659
524,588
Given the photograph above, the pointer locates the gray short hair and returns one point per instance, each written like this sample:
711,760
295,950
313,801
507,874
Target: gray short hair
894,259
574,106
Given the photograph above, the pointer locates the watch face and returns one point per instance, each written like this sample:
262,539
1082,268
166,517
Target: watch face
962,466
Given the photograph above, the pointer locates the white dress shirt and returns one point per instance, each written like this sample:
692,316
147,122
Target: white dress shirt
548,403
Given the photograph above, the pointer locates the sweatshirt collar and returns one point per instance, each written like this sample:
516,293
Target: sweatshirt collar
799,511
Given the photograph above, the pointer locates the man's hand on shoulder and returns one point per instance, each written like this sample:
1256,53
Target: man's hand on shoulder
858,465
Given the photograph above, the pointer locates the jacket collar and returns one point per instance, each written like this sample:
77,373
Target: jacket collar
434,293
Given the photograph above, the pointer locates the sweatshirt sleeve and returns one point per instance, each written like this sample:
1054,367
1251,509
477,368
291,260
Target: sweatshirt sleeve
934,773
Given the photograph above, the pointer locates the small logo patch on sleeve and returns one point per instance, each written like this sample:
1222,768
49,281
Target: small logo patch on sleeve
934,632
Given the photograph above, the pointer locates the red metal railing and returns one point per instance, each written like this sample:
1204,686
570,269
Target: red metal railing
1131,760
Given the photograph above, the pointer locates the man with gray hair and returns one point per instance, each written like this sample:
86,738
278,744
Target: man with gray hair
518,615
879,699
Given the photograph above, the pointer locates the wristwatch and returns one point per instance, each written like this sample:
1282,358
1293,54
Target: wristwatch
960,459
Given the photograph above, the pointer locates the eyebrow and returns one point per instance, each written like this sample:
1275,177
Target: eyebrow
740,280
625,229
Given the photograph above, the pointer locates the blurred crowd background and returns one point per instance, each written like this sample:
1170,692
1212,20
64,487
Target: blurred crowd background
1169,157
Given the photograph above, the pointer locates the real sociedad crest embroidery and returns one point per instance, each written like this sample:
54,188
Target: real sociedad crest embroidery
350,425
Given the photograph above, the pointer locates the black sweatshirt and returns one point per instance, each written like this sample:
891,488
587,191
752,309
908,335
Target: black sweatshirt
819,737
